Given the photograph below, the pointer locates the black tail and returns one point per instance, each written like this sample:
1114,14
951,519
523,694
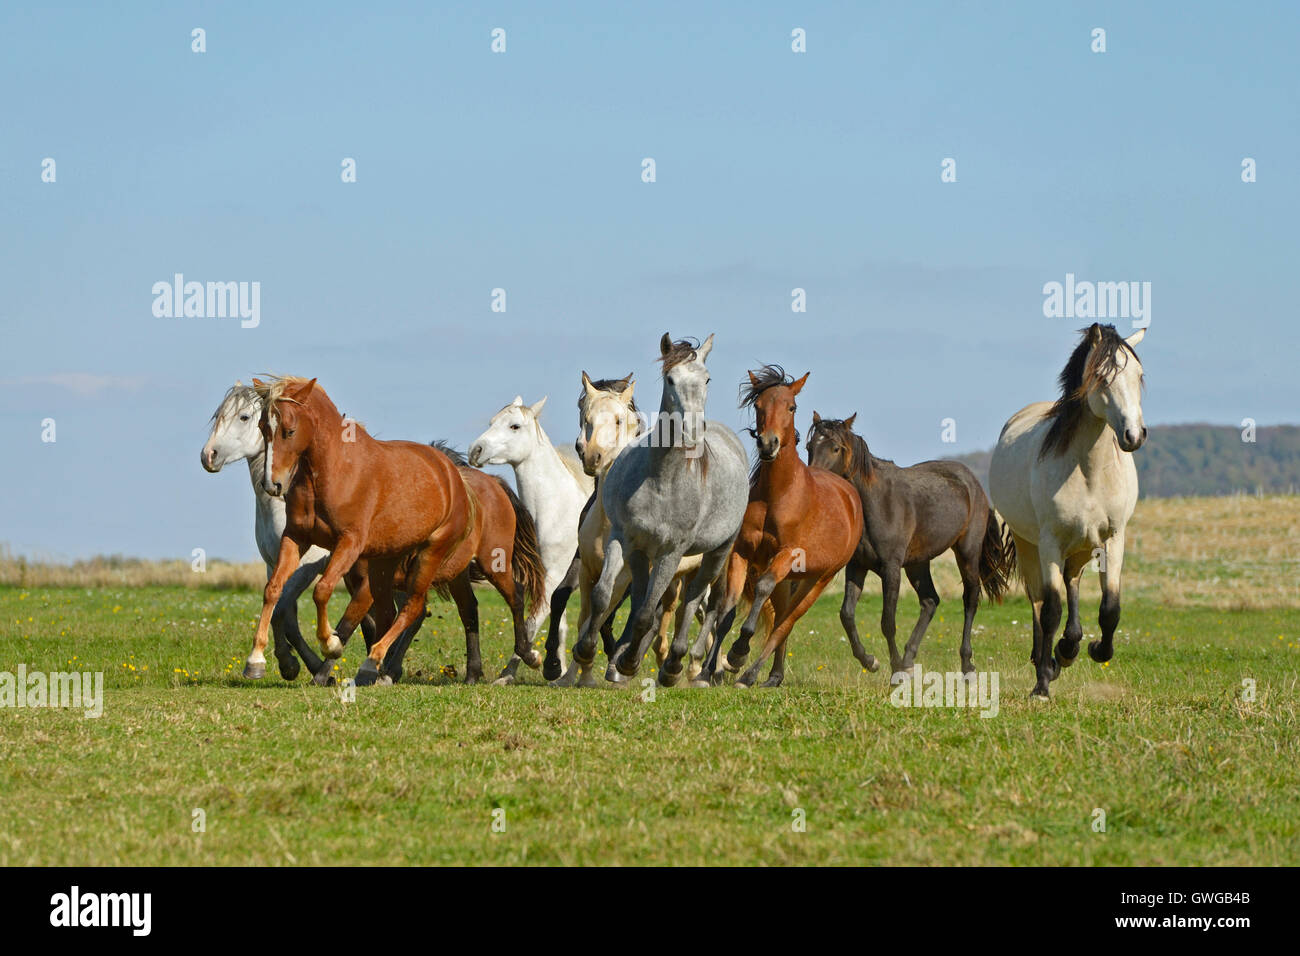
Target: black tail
997,559
529,572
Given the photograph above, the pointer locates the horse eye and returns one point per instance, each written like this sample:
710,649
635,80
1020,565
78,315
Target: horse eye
514,428
243,418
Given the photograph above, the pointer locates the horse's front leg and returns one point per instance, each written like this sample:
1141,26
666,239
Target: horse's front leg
1102,651
722,614
1067,648
711,565
344,555
290,553
601,605
855,576
1051,564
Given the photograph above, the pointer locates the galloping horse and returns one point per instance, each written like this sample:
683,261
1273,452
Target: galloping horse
801,525
394,504
679,490
235,436
608,421
507,557
553,489
911,516
1063,479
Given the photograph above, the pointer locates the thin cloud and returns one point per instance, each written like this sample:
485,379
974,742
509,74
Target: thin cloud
79,383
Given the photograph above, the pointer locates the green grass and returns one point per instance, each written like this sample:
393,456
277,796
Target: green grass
1186,771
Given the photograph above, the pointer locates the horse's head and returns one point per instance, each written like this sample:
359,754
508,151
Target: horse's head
830,444
772,393
1112,383
287,428
235,435
511,437
607,422
686,385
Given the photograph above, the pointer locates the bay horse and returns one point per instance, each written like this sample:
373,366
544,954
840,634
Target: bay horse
678,490
398,505
554,489
801,527
506,556
1064,480
911,516
608,421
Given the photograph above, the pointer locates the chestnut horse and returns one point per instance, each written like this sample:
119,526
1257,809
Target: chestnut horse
398,505
801,526
507,557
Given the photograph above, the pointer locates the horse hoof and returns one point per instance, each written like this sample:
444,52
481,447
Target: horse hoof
384,680
870,664
669,678
333,648
743,684
255,670
288,667
473,677
1066,652
1040,694
899,677
367,674
552,668
533,660
1100,652
324,677
505,680
970,677
772,682
700,682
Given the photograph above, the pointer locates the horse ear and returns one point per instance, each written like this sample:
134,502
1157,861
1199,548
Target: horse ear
257,382
797,387
519,401
703,351
1136,337
626,396
586,384
753,379
1094,334
816,418
851,419
537,408
665,344
305,391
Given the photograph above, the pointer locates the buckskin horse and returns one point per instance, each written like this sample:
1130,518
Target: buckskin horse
1064,480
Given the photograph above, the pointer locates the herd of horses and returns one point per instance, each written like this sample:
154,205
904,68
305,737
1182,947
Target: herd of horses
666,512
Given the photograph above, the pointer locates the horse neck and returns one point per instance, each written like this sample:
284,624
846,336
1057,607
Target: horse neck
257,473
783,472
1094,445
664,455
541,474
323,455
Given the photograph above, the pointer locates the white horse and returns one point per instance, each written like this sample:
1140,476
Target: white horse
554,489
234,436
1063,479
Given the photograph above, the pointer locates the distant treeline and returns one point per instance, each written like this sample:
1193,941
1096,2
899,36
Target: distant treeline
1188,460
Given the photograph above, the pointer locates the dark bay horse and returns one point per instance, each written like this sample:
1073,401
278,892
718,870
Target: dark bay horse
801,526
911,516
401,506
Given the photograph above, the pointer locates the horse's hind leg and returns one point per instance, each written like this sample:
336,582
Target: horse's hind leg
1052,580
1102,651
601,600
795,603
968,565
890,580
664,633
919,575
559,604
723,612
462,592
693,593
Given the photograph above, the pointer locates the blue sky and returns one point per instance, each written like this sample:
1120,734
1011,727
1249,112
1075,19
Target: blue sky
522,170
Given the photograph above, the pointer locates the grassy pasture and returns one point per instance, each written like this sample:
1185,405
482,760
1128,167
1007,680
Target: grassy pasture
1160,739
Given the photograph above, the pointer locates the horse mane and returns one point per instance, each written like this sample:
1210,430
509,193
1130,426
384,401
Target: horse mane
457,458
862,467
233,394
681,351
1089,365
769,376
274,387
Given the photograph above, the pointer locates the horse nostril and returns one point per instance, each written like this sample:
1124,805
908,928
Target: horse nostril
1144,433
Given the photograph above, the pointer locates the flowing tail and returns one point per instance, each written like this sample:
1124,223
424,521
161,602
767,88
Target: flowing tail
997,558
529,572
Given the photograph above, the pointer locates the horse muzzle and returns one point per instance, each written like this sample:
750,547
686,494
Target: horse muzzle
768,447
1133,438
